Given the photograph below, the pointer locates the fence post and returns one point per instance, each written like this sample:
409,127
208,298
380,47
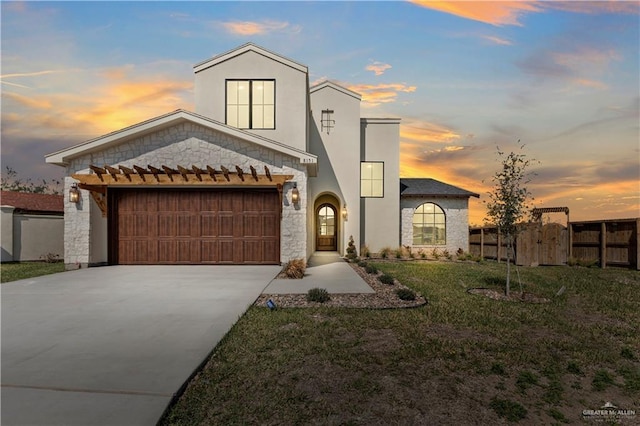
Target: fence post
603,245
499,247
482,243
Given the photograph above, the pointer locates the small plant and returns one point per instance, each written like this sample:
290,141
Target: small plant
50,258
435,254
406,294
510,410
295,268
460,253
446,254
351,249
399,252
525,380
319,295
557,415
386,279
574,368
362,264
627,353
498,368
422,254
370,269
385,252
365,252
602,380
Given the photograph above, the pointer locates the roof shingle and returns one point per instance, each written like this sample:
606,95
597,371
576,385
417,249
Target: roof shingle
32,202
427,187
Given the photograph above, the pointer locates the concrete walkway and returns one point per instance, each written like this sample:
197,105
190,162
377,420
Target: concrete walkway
111,345
324,270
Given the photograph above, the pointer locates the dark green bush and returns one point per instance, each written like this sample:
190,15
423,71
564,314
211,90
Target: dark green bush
371,269
406,294
320,295
386,279
362,264
602,380
510,410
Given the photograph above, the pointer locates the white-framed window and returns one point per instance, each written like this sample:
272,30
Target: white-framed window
251,104
429,225
372,179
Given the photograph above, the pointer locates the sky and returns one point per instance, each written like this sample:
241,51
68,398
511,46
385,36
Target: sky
466,78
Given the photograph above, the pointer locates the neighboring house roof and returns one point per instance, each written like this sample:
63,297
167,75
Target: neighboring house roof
62,157
428,187
332,85
249,47
32,202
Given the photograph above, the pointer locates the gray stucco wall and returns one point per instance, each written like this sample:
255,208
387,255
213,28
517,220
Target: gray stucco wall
28,237
379,216
456,212
184,144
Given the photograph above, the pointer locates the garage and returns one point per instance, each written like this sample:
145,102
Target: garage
194,226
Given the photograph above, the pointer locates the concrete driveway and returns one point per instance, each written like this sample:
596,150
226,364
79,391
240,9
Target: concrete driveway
111,345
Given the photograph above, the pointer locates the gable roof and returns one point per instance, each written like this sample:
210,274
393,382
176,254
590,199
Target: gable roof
61,158
427,187
332,85
249,47
32,202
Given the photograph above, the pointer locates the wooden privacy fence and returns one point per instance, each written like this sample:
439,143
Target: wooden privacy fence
605,242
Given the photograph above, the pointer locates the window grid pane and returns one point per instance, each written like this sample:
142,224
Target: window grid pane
371,179
251,104
429,225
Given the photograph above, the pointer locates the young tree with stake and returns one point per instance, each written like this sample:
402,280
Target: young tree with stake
509,200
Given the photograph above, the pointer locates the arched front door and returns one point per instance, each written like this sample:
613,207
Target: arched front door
326,228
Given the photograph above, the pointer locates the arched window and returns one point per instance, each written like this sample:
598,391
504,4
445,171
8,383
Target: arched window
429,225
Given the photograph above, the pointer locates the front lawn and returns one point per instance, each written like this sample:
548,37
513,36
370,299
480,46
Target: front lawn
19,271
462,359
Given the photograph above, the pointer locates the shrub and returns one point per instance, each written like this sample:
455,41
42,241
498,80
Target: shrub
386,279
371,269
422,254
320,295
50,258
351,249
385,252
362,264
446,254
602,380
460,252
574,368
435,253
498,368
406,294
399,252
510,410
627,353
526,379
295,268
364,251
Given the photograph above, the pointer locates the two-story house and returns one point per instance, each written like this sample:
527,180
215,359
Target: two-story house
266,169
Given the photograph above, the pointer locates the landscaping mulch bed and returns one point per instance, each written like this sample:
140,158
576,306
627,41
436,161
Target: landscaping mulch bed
385,296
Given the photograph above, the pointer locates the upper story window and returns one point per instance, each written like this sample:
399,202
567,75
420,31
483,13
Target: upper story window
251,104
372,179
327,122
429,225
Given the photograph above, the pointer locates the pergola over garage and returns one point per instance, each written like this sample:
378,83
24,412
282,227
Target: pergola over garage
165,215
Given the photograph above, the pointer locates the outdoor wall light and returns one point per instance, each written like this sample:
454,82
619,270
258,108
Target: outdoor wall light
344,211
74,193
295,194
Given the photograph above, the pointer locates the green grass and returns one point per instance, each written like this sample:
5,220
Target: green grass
461,359
19,271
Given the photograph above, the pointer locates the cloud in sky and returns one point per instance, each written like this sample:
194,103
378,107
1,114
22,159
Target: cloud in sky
500,13
496,13
253,28
498,40
378,68
377,94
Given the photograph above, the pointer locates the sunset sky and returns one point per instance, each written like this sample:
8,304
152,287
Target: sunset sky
465,77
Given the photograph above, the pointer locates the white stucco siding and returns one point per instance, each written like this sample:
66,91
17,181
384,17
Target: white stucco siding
338,152
456,212
185,144
381,219
291,88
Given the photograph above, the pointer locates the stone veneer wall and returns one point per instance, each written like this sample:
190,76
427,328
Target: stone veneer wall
186,144
456,212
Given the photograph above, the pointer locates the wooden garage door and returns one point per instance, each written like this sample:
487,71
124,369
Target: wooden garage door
195,227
